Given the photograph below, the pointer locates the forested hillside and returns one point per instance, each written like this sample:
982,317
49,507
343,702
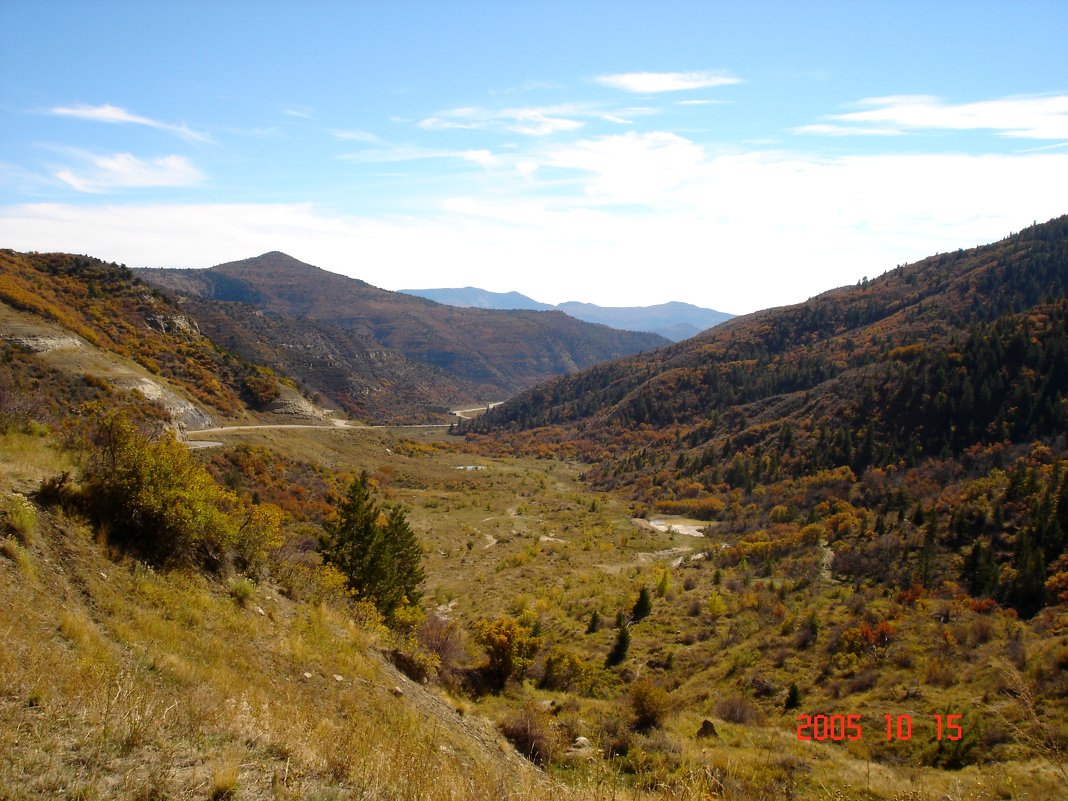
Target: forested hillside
908,388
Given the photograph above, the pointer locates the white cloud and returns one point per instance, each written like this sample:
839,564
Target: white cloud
531,121
1043,117
356,136
652,82
116,115
824,129
402,153
123,170
735,231
631,167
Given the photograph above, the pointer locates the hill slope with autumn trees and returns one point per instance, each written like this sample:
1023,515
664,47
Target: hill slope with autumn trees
116,329
370,350
932,399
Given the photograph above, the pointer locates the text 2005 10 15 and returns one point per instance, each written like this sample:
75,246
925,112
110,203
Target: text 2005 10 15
850,727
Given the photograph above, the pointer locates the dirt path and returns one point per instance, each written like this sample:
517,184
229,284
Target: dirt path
333,425
337,425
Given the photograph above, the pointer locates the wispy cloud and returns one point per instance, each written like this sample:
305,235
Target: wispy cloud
123,170
653,82
116,115
1025,117
403,153
824,129
531,121
300,112
356,136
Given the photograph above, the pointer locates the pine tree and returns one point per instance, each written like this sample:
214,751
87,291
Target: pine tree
621,646
793,697
380,560
643,606
595,623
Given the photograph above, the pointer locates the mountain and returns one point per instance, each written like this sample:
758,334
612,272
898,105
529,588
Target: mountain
470,297
909,392
675,321
425,354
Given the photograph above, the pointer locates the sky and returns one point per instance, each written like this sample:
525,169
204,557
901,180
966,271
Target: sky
735,155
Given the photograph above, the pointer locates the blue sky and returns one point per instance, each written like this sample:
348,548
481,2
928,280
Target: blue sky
735,155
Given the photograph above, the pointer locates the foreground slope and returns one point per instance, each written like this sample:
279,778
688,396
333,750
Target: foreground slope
120,682
486,354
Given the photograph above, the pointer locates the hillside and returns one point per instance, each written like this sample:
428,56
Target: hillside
956,366
119,681
85,317
674,321
485,355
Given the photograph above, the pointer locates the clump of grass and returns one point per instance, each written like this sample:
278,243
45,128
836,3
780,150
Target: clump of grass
20,515
224,780
11,548
241,590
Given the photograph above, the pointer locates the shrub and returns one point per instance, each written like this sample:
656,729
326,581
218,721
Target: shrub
735,709
154,498
510,647
650,705
446,640
564,670
533,733
793,697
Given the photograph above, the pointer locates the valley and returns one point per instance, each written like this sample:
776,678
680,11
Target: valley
815,552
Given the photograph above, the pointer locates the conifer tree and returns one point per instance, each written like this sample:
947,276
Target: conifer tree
621,645
379,555
643,606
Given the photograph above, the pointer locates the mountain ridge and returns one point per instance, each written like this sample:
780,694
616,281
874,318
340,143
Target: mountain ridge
674,320
444,354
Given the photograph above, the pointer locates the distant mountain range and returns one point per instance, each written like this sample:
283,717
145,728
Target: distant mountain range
675,321
378,354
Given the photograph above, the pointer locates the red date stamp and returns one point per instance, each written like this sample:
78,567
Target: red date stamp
839,728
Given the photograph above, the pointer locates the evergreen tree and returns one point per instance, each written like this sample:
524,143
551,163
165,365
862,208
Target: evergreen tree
380,558
621,646
643,606
793,697
595,623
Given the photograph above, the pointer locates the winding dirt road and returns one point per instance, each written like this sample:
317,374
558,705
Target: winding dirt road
334,425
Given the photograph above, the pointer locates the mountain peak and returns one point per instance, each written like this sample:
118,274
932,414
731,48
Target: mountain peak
272,260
